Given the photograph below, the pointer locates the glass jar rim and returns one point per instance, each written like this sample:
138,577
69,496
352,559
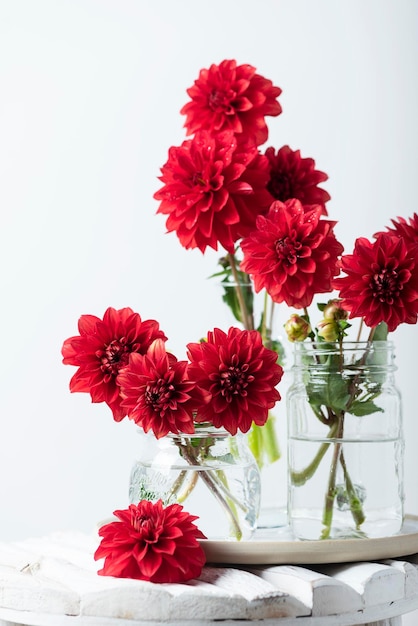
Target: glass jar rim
203,430
331,347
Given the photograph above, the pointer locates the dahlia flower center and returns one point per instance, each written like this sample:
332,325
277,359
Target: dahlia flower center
234,380
287,249
280,186
212,181
198,180
115,356
159,395
386,285
146,527
220,100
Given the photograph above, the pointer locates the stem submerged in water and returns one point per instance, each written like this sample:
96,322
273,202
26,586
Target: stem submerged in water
216,482
299,478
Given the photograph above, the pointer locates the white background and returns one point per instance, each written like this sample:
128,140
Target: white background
90,98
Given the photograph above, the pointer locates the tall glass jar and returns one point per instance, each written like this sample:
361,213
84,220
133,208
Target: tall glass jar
211,473
345,441
265,441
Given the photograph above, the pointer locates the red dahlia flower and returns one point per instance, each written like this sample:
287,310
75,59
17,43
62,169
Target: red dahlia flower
102,350
293,254
240,374
291,176
157,394
213,190
150,542
231,97
408,229
381,284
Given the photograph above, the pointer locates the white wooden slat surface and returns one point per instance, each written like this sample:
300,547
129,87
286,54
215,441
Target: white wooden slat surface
319,593
53,581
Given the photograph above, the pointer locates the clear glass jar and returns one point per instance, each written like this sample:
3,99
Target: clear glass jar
345,442
265,442
211,473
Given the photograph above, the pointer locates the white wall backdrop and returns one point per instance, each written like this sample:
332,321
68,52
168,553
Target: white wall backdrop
90,98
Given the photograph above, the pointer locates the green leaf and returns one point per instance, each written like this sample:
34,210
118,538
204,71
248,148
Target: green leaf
332,391
364,408
230,297
381,332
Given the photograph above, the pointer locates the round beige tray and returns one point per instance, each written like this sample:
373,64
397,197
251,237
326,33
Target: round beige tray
277,548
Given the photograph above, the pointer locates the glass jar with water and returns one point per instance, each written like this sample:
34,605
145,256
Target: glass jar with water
345,442
211,473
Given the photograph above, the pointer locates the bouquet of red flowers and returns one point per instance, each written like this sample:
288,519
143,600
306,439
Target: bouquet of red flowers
267,212
228,382
265,208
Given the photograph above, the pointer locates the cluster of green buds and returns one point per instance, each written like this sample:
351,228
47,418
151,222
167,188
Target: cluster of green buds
331,328
334,323
297,328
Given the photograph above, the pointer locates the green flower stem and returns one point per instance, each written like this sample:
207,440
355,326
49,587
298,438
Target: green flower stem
255,444
263,328
299,478
263,442
266,327
269,440
206,476
181,496
355,504
247,317
219,479
331,493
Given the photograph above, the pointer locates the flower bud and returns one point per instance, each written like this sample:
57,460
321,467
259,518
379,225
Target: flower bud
328,329
334,311
297,328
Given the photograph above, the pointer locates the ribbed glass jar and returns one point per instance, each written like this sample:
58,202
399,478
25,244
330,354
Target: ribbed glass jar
345,441
211,473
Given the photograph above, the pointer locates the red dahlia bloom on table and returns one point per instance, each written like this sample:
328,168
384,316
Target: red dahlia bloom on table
150,542
293,254
102,350
231,97
214,187
381,282
157,394
291,176
240,375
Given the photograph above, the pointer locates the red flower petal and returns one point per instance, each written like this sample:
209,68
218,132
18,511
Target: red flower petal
157,393
291,176
150,542
240,375
231,97
293,254
213,190
102,350
381,282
